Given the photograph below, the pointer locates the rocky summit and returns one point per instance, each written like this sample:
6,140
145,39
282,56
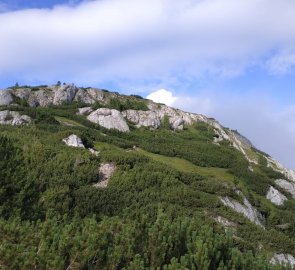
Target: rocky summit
91,179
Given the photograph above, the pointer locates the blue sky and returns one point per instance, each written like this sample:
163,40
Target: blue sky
23,4
232,60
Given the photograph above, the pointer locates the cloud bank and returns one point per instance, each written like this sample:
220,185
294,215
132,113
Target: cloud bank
98,41
163,96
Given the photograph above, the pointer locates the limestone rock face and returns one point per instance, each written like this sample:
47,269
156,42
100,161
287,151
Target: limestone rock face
74,141
275,165
83,97
143,118
13,118
286,185
275,196
85,111
89,96
246,208
177,118
5,97
109,118
22,93
96,94
283,259
53,95
157,113
106,170
41,98
64,94
176,122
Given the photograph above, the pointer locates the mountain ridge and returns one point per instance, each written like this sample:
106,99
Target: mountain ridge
151,116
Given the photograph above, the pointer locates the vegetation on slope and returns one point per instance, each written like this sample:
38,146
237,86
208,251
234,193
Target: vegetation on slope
158,211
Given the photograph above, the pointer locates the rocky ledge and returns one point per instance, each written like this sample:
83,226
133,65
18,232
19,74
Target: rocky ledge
13,118
287,186
246,208
51,95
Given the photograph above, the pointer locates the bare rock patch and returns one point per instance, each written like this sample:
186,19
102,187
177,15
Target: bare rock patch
106,170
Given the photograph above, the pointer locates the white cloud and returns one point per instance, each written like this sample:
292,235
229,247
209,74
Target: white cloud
162,96
135,39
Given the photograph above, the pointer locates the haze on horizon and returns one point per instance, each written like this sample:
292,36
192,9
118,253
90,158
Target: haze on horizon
231,60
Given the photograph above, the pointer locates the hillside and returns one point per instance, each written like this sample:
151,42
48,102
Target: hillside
92,179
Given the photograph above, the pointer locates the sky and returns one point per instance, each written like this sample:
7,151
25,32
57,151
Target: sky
227,59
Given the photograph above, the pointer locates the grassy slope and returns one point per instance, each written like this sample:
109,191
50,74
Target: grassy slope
67,122
186,166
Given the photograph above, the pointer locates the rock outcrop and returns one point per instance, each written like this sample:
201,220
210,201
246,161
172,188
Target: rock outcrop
5,97
22,93
74,141
156,115
176,123
177,118
52,95
47,96
64,94
151,118
109,119
85,111
13,118
41,98
275,196
89,96
283,259
143,118
106,170
246,208
275,165
287,186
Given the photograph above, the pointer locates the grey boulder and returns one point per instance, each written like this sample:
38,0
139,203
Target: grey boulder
74,141
109,119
